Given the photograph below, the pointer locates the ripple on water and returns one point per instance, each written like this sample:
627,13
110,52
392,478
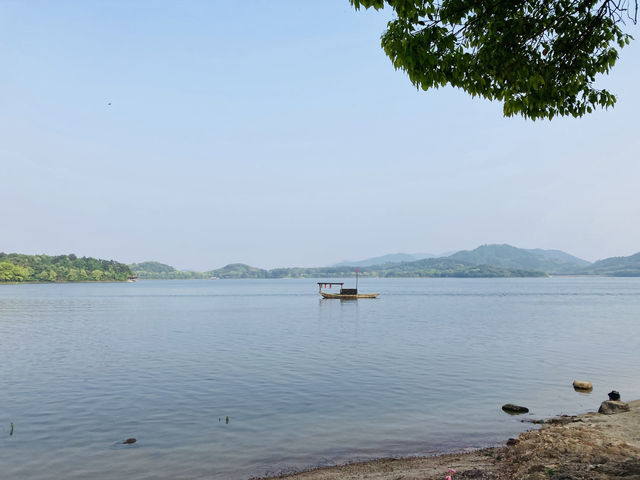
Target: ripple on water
422,369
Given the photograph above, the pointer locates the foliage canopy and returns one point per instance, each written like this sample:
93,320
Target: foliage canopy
16,267
539,57
162,271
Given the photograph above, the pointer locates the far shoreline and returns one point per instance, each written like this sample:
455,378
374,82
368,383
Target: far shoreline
66,283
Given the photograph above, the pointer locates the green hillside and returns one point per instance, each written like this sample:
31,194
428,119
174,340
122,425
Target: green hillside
451,267
484,261
560,257
16,267
238,270
432,267
152,267
615,267
156,270
507,256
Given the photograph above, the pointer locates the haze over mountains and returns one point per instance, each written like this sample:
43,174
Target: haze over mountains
549,261
484,261
390,258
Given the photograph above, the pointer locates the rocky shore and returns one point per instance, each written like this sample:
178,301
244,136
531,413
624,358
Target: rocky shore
590,446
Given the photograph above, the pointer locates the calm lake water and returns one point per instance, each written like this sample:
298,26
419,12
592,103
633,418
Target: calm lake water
304,381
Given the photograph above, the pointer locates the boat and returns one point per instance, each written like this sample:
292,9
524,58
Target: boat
345,293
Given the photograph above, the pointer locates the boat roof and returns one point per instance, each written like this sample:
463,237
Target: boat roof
330,283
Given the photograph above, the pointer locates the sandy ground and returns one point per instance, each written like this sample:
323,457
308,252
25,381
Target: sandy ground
589,446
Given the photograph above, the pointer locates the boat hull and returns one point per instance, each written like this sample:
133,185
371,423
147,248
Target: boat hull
349,297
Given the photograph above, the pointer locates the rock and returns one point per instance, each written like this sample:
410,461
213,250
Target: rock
582,385
512,409
473,473
532,420
562,420
512,441
614,395
129,441
609,407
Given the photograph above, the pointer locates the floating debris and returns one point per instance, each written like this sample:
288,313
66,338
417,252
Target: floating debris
227,420
11,431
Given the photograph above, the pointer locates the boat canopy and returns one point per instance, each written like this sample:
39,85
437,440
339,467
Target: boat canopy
351,291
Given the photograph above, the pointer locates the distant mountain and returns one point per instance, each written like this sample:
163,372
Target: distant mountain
429,267
160,271
449,267
615,267
507,256
559,256
238,270
484,261
390,258
152,267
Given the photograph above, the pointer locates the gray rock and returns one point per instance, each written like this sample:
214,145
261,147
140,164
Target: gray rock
609,407
512,409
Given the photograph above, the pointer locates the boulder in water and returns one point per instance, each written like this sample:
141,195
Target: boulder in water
129,441
512,409
582,385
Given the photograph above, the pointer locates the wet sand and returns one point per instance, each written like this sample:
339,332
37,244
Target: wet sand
588,446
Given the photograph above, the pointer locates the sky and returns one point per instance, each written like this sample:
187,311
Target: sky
277,133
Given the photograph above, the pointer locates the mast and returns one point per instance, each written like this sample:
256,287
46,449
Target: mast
356,279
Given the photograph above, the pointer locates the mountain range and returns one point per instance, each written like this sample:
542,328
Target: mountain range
484,261
548,261
390,258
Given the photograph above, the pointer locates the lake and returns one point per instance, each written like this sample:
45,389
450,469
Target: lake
304,381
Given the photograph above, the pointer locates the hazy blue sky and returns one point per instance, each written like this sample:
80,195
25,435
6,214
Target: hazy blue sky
277,133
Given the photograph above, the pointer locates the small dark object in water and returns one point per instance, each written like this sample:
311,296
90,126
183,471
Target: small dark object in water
512,409
129,441
11,432
227,420
614,395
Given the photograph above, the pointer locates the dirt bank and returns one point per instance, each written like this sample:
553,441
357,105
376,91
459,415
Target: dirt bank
589,446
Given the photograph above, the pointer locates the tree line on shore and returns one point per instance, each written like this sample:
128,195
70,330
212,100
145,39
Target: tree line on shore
433,268
483,262
16,267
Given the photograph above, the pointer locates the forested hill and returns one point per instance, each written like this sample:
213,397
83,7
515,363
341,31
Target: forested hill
507,256
15,267
615,267
161,271
431,267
